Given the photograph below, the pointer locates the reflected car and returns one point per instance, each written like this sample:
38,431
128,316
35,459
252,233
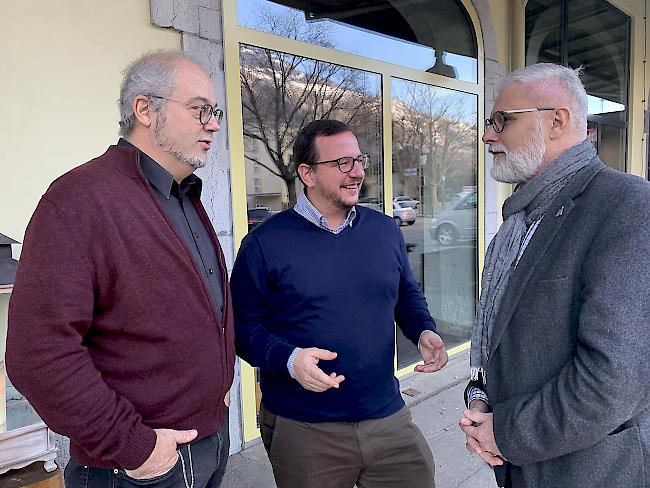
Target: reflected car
403,214
257,216
411,202
371,205
457,222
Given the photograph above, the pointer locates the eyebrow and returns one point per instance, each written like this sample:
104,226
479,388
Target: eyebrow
200,99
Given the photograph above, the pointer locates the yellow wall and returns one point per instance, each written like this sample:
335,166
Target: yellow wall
61,68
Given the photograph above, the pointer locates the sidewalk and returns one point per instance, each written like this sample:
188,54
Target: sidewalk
436,406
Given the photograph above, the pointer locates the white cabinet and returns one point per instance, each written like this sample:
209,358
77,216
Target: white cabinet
24,438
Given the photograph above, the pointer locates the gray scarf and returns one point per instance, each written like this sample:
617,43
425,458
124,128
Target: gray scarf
525,206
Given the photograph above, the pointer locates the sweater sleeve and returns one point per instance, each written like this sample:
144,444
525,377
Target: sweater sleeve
411,312
50,311
249,287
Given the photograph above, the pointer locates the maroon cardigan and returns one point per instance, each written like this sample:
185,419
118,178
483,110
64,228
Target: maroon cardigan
112,331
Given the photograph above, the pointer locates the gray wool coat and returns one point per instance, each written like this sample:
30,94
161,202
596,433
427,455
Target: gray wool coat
568,375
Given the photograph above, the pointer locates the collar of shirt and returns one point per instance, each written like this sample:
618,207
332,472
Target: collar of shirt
306,209
162,180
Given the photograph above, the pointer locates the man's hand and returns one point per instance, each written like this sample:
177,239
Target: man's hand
164,455
226,399
432,350
479,433
309,375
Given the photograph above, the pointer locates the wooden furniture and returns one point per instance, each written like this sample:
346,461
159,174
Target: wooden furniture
32,476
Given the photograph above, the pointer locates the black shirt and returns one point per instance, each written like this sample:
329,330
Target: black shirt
179,209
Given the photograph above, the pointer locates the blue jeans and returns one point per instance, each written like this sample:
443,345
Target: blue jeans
207,458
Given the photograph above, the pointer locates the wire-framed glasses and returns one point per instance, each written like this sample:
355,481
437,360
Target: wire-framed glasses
499,118
205,111
346,163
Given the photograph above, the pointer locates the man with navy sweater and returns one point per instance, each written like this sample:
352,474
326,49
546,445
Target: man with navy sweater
316,291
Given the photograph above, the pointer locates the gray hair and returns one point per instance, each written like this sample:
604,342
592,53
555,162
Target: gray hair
543,75
152,74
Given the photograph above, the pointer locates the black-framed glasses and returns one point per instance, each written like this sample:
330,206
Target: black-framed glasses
205,111
346,163
499,118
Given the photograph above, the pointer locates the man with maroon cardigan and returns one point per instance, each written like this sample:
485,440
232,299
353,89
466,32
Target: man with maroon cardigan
120,323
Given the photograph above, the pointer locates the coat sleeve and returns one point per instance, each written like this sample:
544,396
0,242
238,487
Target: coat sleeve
411,311
50,310
249,287
605,383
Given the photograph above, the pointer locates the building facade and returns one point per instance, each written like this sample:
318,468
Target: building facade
414,80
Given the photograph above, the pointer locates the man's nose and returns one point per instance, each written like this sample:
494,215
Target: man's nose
357,170
212,125
490,136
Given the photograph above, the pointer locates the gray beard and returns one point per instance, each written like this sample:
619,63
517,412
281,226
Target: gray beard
522,164
165,145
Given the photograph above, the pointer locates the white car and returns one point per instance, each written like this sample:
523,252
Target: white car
403,214
457,222
411,202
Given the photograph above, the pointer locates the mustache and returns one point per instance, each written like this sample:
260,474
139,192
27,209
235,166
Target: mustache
497,148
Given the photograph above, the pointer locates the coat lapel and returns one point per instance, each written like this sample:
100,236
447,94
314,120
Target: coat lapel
546,231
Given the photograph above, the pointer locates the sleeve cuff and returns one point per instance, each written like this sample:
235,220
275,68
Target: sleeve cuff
292,358
278,356
138,449
475,393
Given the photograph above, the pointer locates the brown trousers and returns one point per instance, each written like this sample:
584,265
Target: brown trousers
389,452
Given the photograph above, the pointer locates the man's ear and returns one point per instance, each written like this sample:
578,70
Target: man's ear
562,118
143,110
306,174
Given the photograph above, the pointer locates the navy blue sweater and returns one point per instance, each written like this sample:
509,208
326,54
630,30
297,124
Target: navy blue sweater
296,285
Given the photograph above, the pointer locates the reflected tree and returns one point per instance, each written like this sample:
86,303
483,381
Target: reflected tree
283,92
435,130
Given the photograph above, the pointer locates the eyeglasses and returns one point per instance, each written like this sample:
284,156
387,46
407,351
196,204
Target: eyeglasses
205,111
346,163
498,119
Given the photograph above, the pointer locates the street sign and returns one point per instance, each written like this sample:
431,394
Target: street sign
410,171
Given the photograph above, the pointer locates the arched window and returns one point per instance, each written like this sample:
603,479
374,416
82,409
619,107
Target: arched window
431,36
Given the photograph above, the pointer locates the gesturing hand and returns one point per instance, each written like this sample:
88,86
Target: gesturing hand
164,455
432,350
309,375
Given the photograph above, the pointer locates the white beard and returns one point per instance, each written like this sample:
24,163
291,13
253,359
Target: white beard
520,165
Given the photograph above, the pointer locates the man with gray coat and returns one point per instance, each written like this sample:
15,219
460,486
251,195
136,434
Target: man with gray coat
560,390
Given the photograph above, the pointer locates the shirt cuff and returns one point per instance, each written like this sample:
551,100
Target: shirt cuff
292,358
475,393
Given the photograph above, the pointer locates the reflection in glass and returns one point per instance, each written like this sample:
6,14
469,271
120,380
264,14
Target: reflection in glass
598,40
544,31
430,36
281,93
434,171
595,36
